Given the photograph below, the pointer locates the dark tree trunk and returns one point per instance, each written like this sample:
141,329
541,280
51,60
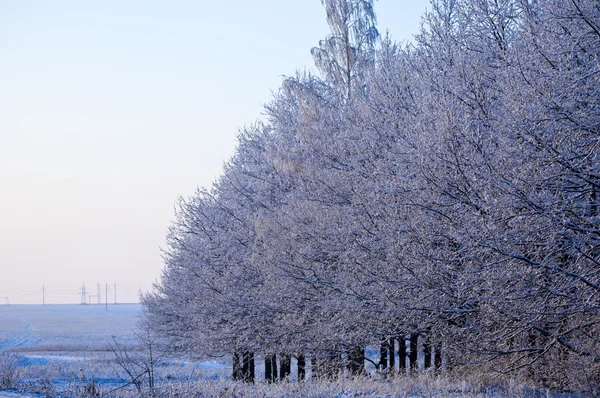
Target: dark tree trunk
285,367
245,366
356,361
427,353
301,367
251,369
236,373
270,368
392,354
383,351
402,355
248,367
437,357
412,357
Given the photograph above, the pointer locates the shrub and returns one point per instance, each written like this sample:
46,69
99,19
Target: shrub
9,371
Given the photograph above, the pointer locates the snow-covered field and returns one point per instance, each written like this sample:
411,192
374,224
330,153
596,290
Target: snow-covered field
65,328
58,347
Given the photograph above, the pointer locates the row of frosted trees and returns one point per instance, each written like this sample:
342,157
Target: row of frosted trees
446,189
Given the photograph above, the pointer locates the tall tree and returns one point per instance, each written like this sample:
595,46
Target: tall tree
345,55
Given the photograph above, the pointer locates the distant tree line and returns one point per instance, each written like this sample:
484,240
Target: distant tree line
441,194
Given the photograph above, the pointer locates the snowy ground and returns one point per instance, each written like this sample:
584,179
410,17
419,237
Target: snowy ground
8,394
64,327
60,346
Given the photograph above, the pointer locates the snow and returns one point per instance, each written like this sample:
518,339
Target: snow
69,345
65,327
9,394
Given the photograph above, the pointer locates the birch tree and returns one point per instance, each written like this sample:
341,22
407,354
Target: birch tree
344,56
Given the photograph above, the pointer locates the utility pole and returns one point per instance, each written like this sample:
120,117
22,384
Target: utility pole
98,292
43,295
6,303
115,293
83,294
106,299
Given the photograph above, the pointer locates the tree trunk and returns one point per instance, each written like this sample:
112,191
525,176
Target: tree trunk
437,358
251,368
248,367
301,367
236,373
412,357
392,354
402,355
245,366
383,351
285,366
268,371
427,353
269,378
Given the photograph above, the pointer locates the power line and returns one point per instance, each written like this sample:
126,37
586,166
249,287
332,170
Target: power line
49,292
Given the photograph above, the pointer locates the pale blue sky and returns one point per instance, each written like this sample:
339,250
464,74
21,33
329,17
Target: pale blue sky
112,109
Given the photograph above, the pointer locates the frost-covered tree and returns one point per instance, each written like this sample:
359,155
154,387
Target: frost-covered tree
348,51
499,166
456,203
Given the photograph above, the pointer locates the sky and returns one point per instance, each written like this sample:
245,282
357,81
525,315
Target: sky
111,110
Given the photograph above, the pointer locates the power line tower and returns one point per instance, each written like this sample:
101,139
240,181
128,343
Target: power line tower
83,294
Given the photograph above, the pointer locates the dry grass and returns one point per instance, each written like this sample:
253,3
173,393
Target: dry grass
424,385
100,377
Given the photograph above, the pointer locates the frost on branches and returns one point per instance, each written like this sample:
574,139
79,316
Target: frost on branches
440,196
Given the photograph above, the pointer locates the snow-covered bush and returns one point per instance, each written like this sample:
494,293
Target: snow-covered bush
9,371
